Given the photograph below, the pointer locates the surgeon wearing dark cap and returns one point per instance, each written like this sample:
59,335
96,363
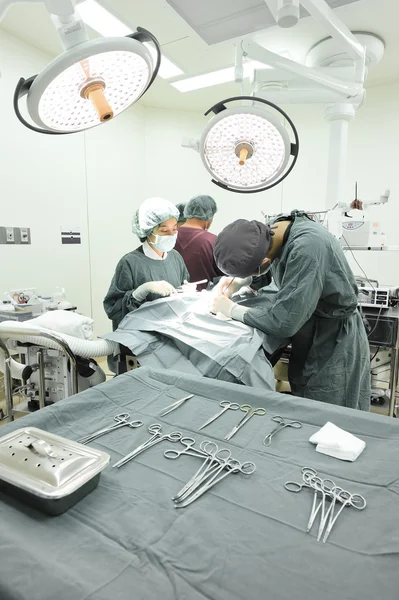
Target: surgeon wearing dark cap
315,306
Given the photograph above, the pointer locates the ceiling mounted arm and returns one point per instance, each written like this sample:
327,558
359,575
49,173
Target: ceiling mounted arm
69,25
321,12
5,5
260,54
285,12
63,9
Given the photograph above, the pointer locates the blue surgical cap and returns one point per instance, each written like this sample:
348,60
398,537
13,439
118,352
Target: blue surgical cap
152,212
180,207
201,207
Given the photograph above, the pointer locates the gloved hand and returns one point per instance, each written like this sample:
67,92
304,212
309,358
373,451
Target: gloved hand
231,285
221,304
161,288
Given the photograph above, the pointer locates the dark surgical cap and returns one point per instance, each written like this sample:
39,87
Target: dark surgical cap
241,247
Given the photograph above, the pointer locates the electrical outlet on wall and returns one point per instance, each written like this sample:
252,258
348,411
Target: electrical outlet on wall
15,235
24,232
10,239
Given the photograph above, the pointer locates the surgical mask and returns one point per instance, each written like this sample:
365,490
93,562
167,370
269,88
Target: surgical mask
164,243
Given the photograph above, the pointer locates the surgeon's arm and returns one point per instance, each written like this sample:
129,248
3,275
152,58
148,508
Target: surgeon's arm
295,302
119,300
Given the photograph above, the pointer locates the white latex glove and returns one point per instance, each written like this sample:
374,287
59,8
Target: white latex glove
161,288
231,285
221,304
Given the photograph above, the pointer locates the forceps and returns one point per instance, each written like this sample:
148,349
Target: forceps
233,467
175,405
215,462
155,429
281,424
189,449
122,420
226,406
336,493
355,500
318,485
250,412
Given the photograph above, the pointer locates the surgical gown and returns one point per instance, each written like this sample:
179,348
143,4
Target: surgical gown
133,270
316,306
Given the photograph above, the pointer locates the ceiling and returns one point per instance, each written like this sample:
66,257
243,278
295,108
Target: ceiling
180,43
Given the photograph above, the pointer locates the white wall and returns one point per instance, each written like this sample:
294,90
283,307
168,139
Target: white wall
97,180
43,186
115,183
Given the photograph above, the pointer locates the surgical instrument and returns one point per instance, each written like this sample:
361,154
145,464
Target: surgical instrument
122,420
180,289
189,449
208,451
155,430
212,465
175,405
327,488
232,467
281,424
226,406
250,412
354,500
210,472
311,479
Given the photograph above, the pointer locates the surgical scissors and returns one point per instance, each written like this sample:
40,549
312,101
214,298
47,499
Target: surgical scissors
155,429
122,420
175,405
281,424
250,412
226,406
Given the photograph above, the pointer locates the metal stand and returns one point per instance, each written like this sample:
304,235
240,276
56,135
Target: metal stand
14,333
7,377
393,378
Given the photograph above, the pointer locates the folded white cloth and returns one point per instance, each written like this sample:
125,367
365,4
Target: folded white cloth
59,321
336,442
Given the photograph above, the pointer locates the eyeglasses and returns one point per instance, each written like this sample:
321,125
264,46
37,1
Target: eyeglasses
263,269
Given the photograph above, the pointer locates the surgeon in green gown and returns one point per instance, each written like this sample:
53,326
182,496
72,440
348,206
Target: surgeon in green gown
315,306
154,269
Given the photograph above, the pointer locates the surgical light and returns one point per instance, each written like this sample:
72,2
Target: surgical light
88,84
92,81
246,148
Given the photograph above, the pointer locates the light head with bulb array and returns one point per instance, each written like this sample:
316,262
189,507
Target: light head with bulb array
246,148
89,84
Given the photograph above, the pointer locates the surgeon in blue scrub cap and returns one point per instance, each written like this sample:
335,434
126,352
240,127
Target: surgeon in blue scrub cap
154,269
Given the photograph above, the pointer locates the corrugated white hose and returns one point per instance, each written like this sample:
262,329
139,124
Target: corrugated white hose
83,348
16,367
